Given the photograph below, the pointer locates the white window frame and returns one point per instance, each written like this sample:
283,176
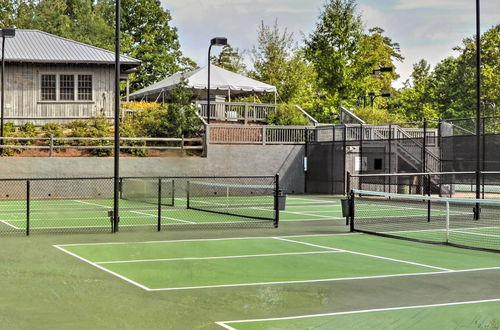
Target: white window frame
58,98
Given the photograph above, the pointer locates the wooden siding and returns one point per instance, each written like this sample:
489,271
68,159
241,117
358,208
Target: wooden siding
23,101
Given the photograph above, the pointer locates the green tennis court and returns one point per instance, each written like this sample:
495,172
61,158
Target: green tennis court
295,261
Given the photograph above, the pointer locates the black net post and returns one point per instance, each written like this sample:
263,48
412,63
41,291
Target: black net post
351,211
173,192
159,204
483,160
306,145
187,194
28,207
348,190
428,188
276,198
390,158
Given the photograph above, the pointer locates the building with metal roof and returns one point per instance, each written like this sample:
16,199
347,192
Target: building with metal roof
53,79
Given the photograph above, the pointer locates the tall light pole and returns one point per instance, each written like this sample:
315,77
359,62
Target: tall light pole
5,33
116,175
478,109
218,41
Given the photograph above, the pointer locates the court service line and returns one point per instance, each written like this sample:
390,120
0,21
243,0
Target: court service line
367,255
224,325
102,268
208,239
472,233
220,257
136,212
341,279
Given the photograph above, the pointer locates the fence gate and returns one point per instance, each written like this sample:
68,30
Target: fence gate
325,167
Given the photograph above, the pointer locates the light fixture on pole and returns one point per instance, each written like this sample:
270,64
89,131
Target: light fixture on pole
373,96
218,41
4,33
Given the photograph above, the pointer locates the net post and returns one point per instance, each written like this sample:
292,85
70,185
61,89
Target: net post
28,197
351,211
447,222
159,204
173,192
187,194
120,187
428,188
348,190
276,197
390,158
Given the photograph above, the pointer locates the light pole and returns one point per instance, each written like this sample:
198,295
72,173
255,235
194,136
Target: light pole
218,41
477,211
5,33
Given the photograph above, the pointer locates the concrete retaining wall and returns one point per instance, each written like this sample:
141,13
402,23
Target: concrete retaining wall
222,160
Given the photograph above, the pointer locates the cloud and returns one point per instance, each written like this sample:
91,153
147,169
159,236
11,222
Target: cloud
432,4
424,28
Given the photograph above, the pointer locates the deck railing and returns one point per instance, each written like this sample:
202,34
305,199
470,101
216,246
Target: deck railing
236,111
53,144
239,134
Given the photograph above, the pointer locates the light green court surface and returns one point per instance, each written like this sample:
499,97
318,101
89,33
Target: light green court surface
177,265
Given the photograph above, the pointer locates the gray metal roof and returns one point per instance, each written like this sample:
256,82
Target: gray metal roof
42,47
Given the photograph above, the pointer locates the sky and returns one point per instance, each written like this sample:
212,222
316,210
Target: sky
425,29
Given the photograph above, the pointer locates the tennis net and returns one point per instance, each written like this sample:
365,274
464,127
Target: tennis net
427,219
148,190
247,197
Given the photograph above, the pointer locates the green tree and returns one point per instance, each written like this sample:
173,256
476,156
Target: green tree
278,62
148,36
334,47
230,59
414,102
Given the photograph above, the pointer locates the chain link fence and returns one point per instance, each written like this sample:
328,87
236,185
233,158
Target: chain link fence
66,205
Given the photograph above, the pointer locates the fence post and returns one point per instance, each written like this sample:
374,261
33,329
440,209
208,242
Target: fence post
51,144
206,139
424,159
276,203
159,204
28,207
245,120
182,142
264,138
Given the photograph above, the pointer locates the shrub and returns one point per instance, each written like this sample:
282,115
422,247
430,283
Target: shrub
287,115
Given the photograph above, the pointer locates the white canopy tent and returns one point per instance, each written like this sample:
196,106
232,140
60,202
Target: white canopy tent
222,83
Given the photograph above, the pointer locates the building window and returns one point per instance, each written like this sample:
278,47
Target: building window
84,87
67,87
48,87
377,164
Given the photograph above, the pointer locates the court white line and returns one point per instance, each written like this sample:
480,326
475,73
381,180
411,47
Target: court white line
136,212
325,280
472,233
224,325
214,258
209,239
435,229
11,225
366,255
102,268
